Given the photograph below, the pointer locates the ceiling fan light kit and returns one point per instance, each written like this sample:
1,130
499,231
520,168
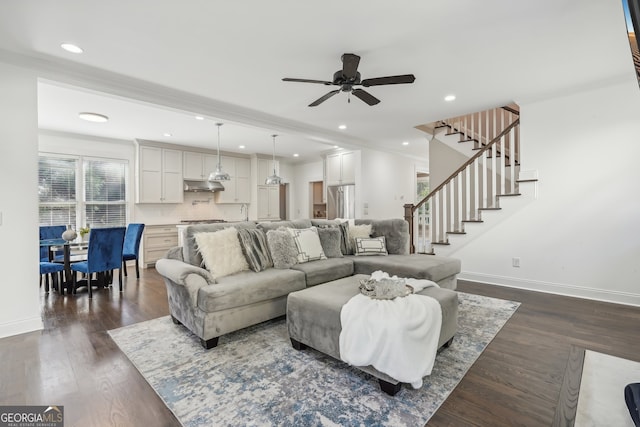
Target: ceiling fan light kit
349,77
218,174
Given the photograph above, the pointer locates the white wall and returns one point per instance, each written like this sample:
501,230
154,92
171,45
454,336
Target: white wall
581,235
387,182
448,160
19,253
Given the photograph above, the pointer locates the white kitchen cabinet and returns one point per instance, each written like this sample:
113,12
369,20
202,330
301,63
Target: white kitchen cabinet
237,189
159,175
341,168
198,166
268,202
265,170
156,241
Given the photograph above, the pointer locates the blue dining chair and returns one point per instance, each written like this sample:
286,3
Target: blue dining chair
48,269
103,255
131,249
50,232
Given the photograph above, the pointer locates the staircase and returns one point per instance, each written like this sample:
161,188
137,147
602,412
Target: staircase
492,142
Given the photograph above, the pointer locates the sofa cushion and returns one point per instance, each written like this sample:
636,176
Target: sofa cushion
330,239
248,287
370,246
282,248
325,270
418,266
255,249
395,231
274,225
190,253
307,243
221,252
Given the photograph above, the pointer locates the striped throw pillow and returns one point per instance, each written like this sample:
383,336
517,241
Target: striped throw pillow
255,249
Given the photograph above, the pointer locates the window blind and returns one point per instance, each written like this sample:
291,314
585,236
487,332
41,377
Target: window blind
57,191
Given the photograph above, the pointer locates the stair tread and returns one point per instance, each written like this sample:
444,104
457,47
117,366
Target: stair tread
456,232
526,180
472,220
440,243
453,133
508,194
489,209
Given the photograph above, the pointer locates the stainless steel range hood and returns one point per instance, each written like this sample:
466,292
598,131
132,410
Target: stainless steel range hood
202,186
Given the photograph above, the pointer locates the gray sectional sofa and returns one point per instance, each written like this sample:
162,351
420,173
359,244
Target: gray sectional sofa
211,307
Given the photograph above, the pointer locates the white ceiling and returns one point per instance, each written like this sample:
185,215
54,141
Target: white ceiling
225,60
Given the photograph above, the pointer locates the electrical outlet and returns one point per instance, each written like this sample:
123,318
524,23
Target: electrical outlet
515,262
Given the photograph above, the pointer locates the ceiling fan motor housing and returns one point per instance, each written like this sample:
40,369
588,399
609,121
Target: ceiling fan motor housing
340,79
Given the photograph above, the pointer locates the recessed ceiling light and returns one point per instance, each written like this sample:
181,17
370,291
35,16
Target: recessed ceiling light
199,118
167,134
449,98
70,47
296,155
342,127
405,142
93,117
335,146
242,147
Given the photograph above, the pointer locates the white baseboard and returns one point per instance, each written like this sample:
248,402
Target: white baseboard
21,326
617,297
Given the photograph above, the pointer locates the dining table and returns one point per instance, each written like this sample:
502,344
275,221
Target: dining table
67,248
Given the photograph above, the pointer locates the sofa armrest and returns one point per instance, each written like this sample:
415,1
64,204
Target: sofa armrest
175,253
187,275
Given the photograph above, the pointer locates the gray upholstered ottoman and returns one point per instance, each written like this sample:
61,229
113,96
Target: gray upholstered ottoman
313,319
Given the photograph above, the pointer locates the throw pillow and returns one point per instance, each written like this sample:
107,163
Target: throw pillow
307,243
345,240
358,231
371,246
255,249
330,239
282,248
221,252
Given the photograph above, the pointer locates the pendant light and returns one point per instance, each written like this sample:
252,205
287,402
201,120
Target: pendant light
274,179
219,175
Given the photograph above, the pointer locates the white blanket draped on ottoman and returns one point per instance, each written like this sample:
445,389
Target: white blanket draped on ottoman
398,337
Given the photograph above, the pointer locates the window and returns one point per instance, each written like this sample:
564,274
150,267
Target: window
100,182
57,191
104,193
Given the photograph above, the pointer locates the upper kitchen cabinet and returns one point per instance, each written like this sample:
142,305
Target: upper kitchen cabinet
159,175
198,166
237,189
265,169
341,168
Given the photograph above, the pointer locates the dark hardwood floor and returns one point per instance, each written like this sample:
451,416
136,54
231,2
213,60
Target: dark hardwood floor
516,381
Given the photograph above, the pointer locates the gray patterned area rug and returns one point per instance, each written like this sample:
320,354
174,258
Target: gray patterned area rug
255,378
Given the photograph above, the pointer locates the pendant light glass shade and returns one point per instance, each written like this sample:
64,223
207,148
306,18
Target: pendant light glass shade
274,179
218,174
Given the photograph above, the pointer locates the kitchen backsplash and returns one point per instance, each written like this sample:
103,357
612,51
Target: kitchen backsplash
195,206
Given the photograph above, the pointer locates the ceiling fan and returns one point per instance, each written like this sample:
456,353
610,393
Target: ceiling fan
349,77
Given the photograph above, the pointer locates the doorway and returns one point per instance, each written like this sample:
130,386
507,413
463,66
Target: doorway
422,239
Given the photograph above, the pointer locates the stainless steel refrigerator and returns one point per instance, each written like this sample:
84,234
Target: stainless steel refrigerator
341,201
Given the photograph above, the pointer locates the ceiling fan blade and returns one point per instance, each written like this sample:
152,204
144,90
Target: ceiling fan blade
323,82
365,96
390,80
350,65
323,98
